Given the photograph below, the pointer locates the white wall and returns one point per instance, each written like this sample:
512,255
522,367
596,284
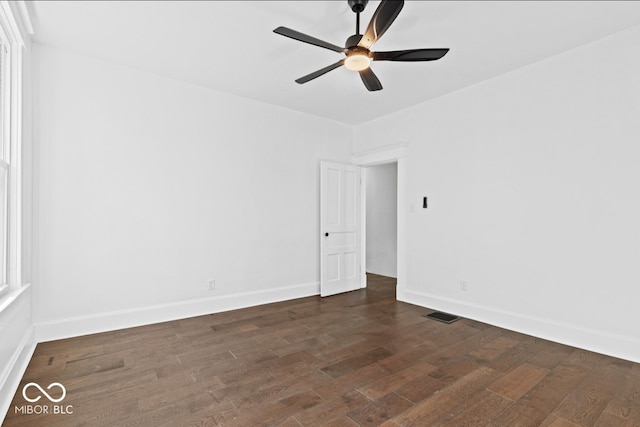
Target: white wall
381,219
533,182
146,188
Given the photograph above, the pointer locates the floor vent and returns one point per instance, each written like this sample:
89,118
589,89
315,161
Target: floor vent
442,317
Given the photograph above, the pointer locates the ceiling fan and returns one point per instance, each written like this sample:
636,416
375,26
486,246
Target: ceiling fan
358,46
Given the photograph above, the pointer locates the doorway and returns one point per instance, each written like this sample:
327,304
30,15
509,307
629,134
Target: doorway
390,154
381,219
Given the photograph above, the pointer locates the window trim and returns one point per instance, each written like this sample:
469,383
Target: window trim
6,114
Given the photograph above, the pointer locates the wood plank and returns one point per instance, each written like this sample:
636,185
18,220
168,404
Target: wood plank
392,381
420,388
585,404
554,421
494,348
331,409
452,370
380,410
351,381
543,398
485,406
628,396
451,400
516,383
518,354
356,362
610,420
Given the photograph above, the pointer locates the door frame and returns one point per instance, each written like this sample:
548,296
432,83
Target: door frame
380,156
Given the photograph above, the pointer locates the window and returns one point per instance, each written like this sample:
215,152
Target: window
11,53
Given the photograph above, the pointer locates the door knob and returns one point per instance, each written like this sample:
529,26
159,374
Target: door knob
326,234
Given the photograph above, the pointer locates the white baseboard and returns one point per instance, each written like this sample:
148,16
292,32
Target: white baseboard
103,322
622,347
15,370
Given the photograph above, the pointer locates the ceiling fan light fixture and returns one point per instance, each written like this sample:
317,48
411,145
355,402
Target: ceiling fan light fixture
357,62
357,48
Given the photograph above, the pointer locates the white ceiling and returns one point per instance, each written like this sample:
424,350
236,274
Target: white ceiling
229,45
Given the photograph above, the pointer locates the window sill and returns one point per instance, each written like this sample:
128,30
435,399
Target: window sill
13,294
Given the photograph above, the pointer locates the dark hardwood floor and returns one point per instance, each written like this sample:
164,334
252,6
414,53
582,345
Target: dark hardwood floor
356,359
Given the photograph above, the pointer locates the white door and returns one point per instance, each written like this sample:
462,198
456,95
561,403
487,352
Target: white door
340,227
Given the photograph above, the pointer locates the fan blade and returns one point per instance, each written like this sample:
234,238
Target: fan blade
370,80
380,22
320,72
296,35
410,55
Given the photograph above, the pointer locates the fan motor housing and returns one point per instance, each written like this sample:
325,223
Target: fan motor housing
357,6
353,41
